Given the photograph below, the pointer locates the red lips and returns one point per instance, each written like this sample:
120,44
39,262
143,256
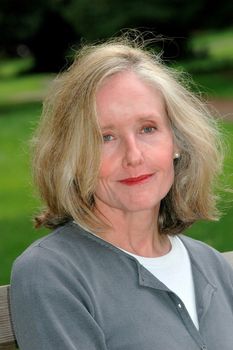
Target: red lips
135,180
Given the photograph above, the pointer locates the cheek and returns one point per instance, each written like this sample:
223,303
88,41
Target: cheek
163,156
106,168
104,172
110,160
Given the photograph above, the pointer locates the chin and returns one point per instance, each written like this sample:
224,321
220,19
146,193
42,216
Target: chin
141,206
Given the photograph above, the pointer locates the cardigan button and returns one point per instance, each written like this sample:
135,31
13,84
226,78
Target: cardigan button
203,347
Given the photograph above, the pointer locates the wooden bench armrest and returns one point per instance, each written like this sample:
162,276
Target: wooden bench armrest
7,338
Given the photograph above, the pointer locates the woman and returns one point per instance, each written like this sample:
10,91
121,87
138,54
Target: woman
125,159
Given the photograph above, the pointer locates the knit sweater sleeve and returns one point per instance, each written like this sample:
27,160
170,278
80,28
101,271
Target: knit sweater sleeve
51,306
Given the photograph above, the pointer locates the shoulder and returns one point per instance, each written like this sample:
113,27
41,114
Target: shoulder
55,265
50,287
200,249
208,259
66,252
202,252
51,257
65,243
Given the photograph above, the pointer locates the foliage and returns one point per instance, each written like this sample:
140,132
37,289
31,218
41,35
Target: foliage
215,85
213,52
212,64
49,27
213,43
36,28
11,68
24,88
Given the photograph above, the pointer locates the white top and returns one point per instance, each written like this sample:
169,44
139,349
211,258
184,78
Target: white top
174,270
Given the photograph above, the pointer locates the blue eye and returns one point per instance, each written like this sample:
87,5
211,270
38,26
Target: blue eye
148,130
107,138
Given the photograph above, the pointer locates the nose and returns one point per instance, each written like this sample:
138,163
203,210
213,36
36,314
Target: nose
133,155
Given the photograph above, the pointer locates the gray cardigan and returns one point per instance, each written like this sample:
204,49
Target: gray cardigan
74,291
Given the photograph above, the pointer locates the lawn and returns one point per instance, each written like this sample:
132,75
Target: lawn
17,202
220,234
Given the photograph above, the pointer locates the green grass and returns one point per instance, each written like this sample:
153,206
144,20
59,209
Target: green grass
24,88
212,64
219,234
13,67
215,85
17,203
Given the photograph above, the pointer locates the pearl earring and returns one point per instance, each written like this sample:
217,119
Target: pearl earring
176,155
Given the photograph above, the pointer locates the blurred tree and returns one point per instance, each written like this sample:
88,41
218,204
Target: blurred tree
173,19
18,20
49,27
39,27
49,45
216,15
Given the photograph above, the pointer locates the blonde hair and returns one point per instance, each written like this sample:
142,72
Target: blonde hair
68,142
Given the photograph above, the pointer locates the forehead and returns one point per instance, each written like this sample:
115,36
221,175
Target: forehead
125,95
125,82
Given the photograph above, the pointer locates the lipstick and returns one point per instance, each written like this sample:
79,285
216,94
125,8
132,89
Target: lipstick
135,180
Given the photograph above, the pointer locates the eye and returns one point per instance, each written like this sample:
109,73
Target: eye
108,138
148,129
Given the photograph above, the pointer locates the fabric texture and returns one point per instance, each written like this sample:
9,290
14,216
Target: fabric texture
71,290
172,269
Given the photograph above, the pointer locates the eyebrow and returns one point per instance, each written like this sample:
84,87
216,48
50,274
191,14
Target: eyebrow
152,118
107,127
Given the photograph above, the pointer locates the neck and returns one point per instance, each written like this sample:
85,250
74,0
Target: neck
135,232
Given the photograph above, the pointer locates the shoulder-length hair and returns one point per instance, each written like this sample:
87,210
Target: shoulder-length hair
67,145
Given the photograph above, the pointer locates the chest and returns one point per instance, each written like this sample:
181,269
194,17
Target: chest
140,315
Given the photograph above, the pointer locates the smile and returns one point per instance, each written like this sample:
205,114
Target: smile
135,180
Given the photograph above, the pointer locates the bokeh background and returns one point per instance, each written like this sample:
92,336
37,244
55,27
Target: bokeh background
39,38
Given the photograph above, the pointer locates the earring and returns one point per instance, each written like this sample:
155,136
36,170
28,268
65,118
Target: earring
176,155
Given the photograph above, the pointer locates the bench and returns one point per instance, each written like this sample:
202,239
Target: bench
7,338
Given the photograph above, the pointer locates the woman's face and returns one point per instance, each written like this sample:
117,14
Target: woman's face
136,169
